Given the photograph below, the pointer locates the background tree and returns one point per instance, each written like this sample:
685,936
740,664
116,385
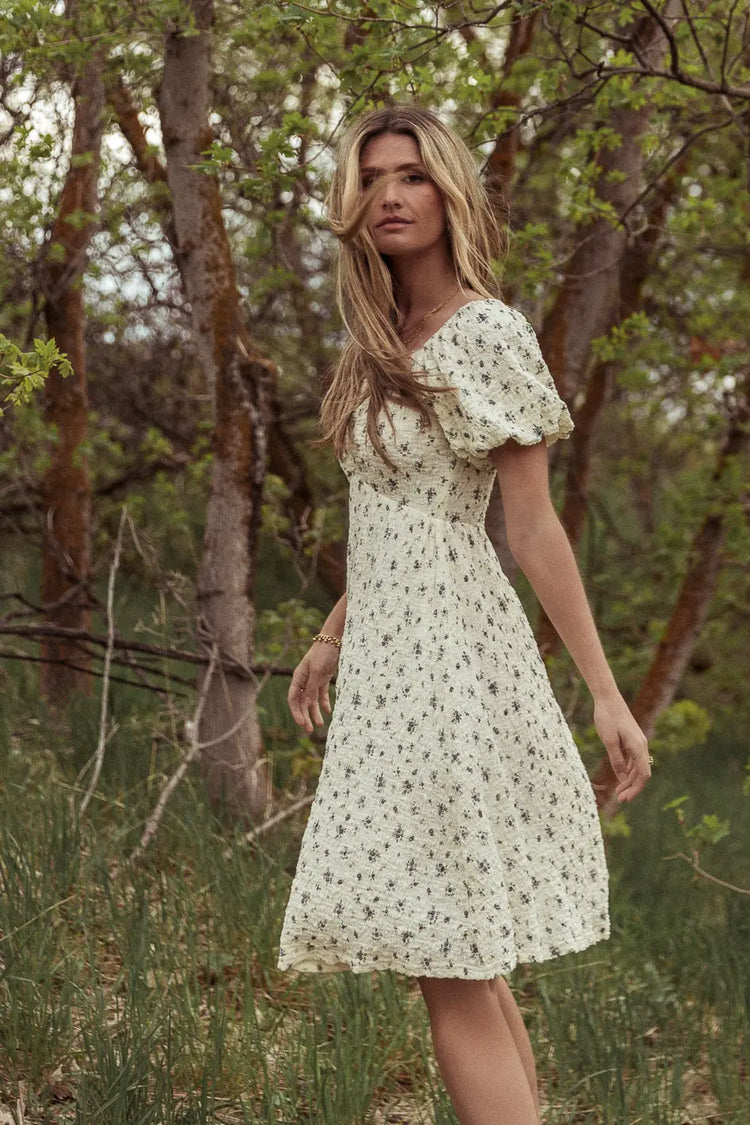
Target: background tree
239,379
66,486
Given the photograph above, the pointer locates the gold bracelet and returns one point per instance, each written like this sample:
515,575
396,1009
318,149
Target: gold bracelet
326,637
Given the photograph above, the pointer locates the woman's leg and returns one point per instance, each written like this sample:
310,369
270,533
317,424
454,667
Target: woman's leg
477,1053
514,1020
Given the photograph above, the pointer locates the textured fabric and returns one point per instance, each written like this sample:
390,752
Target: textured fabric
454,831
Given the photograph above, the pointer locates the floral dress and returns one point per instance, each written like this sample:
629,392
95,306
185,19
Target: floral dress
454,831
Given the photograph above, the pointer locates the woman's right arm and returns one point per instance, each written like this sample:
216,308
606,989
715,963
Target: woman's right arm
309,689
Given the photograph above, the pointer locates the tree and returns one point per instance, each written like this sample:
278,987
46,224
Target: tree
66,510
240,379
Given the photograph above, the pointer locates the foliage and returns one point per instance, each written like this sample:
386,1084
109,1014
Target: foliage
708,830
23,373
682,726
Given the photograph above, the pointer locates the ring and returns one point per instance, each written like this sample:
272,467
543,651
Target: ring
651,759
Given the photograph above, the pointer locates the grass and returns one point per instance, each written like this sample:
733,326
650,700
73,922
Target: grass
154,997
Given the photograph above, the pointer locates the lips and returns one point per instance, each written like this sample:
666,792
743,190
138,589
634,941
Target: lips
394,222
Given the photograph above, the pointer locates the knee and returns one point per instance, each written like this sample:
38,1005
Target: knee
453,1003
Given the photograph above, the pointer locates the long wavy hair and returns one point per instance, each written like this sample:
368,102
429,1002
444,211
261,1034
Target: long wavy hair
374,361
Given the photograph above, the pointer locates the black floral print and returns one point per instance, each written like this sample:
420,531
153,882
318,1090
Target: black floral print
454,831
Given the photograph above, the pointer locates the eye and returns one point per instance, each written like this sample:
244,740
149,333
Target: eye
414,178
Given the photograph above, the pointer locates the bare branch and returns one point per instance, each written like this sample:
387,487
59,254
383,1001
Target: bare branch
692,81
657,180
707,875
28,658
103,736
256,833
727,35
696,37
227,663
154,820
674,53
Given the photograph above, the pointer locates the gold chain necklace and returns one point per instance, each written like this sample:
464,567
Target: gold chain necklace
416,328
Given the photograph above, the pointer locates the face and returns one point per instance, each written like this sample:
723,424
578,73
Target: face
408,215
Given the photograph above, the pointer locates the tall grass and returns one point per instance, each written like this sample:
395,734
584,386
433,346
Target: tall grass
153,997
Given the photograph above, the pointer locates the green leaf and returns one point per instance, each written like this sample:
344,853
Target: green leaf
709,830
23,373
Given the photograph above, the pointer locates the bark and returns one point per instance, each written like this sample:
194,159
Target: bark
602,286
586,306
501,164
499,176
284,459
66,488
693,600
634,270
127,118
240,380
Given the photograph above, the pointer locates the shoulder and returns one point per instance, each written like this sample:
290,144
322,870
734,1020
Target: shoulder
488,322
488,335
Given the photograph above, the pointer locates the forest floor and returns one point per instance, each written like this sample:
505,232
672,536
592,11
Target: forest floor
148,994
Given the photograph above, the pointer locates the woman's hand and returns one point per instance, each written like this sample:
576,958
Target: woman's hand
625,744
308,691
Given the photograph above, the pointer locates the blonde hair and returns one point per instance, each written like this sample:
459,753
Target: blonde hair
374,360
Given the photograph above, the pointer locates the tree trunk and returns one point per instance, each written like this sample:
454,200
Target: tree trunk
284,459
634,270
499,176
596,290
586,306
66,488
501,163
240,379
693,600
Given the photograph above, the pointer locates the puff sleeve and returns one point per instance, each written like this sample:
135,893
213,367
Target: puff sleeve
503,389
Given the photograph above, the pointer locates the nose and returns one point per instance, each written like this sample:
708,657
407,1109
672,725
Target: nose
391,194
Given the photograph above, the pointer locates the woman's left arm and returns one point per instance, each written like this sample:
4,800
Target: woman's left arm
540,546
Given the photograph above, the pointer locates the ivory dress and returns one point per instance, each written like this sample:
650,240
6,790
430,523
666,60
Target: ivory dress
454,831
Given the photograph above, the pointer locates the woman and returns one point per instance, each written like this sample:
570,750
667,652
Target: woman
454,831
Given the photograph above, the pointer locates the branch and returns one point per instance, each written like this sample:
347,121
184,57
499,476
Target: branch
28,658
696,38
154,820
707,875
192,728
692,81
227,663
255,833
674,54
656,181
725,47
103,738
